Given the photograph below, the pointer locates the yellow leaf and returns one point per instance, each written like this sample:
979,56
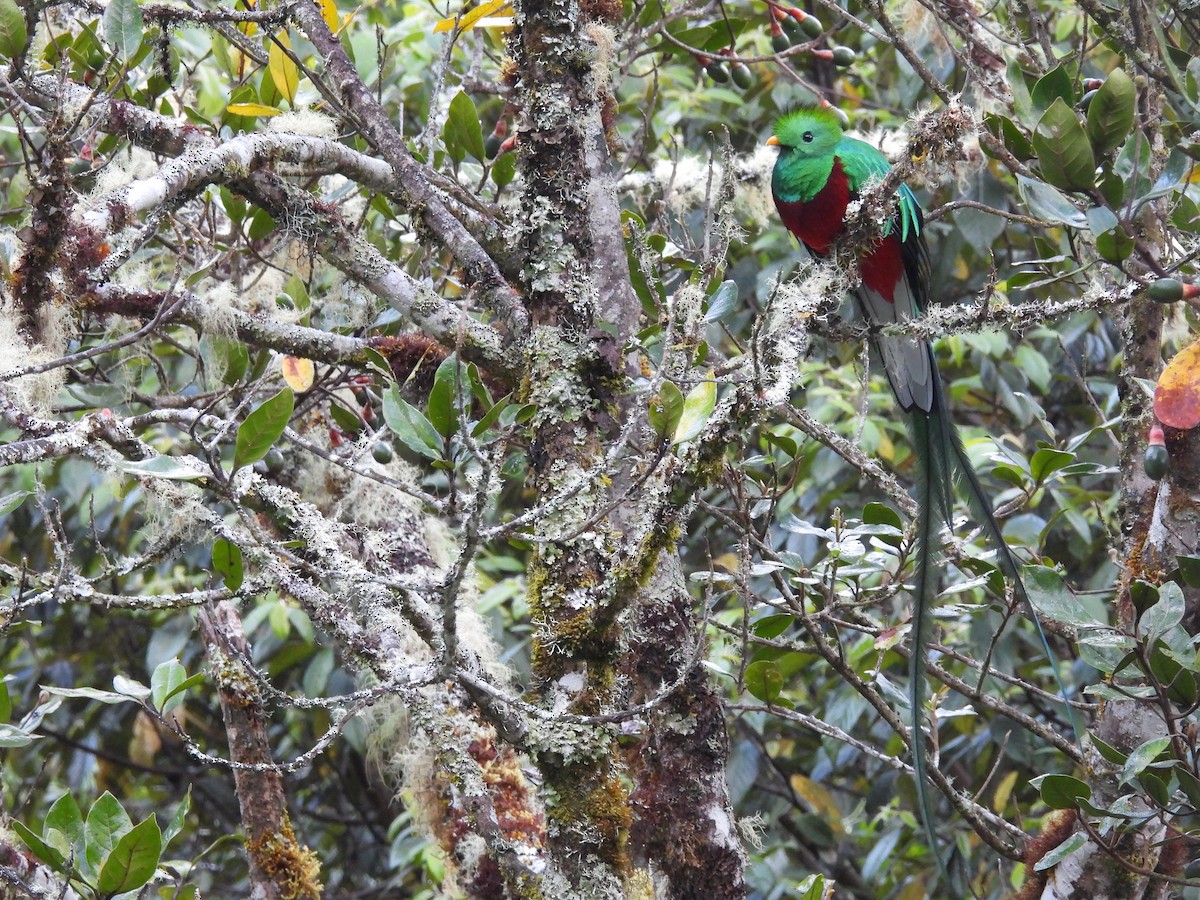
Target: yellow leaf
283,71
468,20
1177,397
298,373
329,13
819,799
1004,791
251,109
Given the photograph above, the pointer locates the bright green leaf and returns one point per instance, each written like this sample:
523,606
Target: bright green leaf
410,425
442,407
1046,461
107,822
132,862
65,817
43,851
12,29
665,409
463,133
262,428
764,680
165,682
123,27
697,407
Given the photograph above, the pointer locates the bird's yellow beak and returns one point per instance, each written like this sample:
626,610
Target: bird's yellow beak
772,141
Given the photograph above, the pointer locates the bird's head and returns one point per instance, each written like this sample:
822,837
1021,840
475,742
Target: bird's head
810,132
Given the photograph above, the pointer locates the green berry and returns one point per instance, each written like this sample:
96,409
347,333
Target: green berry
780,42
273,461
1086,100
1156,461
843,56
792,29
812,26
491,146
742,76
717,71
1166,290
382,453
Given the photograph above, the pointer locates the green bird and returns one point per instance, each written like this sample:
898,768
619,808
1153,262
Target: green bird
818,172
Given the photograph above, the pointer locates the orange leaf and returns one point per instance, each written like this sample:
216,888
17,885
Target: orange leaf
298,373
1177,397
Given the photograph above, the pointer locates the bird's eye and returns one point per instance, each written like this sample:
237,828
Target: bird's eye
807,137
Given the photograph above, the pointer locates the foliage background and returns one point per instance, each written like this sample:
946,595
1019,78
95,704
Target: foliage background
1039,403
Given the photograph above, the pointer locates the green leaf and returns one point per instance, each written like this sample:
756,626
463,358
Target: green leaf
5,702
410,425
227,560
66,818
176,824
1051,88
1046,461
43,851
764,680
12,29
504,169
169,467
87,693
1114,246
9,502
1013,139
1063,150
262,428
1141,758
261,224
491,416
1109,752
463,133
1022,101
132,862
1190,785
442,408
12,736
1110,114
1164,615
1062,791
1189,570
168,681
107,822
123,27
773,626
697,407
665,409
1051,597
1061,852
1049,203
723,301
348,421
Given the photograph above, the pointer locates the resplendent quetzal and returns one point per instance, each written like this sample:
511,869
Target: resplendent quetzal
818,172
